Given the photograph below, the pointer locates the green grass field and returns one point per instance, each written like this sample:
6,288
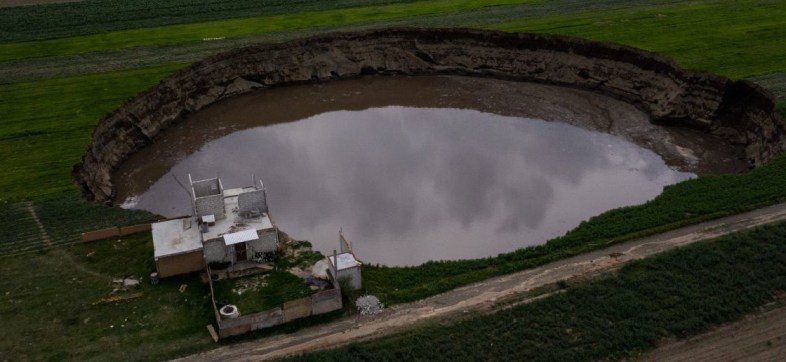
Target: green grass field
52,303
46,125
738,39
195,32
96,16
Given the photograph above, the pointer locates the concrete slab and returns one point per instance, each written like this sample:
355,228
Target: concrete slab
174,237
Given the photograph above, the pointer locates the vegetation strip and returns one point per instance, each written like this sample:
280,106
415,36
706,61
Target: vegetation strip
47,124
613,318
737,39
98,16
232,28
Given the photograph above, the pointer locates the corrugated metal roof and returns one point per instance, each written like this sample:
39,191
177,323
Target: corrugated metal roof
240,237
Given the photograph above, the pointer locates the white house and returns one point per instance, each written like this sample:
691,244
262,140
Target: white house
226,226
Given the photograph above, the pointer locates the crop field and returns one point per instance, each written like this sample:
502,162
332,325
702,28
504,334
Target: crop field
735,39
195,32
63,66
87,17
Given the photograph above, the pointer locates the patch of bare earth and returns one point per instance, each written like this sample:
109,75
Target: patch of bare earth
757,337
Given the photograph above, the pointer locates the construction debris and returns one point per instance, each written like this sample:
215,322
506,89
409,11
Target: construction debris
369,305
124,284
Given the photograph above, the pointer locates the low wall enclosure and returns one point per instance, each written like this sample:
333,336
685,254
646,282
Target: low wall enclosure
738,111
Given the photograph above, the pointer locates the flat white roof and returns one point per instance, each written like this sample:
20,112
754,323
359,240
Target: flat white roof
345,261
234,223
239,237
174,237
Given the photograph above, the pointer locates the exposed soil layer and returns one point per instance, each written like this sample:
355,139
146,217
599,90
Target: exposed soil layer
740,112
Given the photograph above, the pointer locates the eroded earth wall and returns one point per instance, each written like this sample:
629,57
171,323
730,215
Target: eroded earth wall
739,111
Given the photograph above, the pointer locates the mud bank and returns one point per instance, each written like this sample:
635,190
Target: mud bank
740,112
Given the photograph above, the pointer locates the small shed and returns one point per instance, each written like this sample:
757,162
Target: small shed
227,226
345,265
177,246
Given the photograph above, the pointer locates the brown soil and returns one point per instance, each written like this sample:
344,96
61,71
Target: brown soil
486,296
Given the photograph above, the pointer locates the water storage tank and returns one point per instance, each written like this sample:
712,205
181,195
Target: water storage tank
229,311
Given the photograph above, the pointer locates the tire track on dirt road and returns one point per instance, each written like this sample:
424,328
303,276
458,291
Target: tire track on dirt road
485,296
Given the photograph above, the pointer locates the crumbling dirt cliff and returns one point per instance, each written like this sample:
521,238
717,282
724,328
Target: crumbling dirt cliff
739,111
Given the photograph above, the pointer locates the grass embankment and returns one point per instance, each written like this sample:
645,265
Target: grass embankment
46,126
612,318
195,32
52,303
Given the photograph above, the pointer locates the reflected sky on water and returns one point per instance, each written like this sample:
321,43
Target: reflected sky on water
410,185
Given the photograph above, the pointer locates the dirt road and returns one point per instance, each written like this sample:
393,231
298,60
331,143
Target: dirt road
484,295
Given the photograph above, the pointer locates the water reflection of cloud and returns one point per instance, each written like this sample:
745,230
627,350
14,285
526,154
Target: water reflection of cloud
395,175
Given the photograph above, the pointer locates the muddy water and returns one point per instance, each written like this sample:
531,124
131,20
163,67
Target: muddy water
417,169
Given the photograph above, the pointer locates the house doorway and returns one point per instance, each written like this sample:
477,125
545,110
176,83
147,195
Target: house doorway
240,252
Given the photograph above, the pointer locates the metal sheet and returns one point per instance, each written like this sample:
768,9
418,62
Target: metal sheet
240,237
345,261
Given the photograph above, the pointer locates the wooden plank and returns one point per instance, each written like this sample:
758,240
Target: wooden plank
100,234
212,332
133,229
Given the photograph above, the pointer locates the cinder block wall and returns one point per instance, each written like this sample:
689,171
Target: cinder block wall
266,243
216,252
211,205
251,200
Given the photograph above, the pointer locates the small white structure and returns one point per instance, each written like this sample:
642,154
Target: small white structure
345,265
177,247
227,226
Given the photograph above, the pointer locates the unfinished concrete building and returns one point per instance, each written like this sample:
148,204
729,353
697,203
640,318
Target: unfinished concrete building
227,226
